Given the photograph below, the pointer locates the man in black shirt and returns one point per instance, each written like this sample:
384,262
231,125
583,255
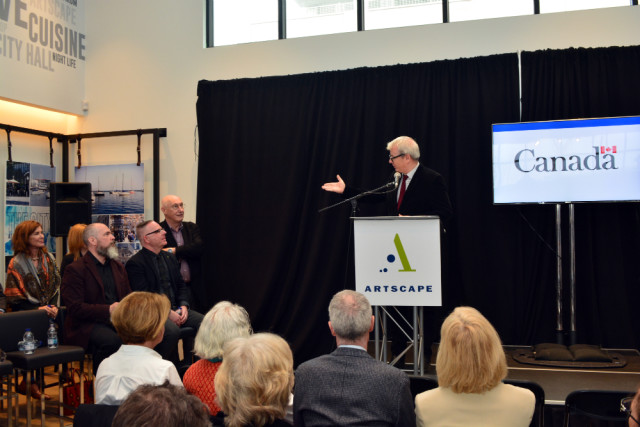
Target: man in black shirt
158,271
91,288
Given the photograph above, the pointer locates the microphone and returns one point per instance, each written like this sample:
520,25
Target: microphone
396,179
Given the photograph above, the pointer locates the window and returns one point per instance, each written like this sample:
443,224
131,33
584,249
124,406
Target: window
549,6
244,21
401,13
466,10
316,17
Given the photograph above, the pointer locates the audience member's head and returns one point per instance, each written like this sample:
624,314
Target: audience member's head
76,240
140,317
222,323
100,241
255,379
470,357
173,209
350,316
151,236
161,405
23,238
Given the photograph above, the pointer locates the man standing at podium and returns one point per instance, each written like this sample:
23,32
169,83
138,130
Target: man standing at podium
421,191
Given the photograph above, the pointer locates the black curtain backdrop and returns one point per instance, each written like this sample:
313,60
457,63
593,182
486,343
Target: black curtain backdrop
578,83
268,144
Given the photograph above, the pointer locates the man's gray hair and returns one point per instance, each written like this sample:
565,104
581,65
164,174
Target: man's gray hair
405,145
90,231
350,314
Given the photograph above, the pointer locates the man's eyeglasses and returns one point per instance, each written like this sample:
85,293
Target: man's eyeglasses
625,406
159,230
395,157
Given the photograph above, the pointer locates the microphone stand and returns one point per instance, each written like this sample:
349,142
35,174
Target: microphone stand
354,200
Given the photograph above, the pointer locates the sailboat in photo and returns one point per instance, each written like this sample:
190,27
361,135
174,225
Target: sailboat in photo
122,192
98,193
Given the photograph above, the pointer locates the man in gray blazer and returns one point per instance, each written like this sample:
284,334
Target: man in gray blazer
348,387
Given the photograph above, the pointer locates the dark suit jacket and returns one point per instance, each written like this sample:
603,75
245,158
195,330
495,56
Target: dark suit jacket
143,276
83,294
191,252
426,195
349,387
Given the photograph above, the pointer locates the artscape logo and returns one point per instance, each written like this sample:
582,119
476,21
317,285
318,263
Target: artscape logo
406,266
603,159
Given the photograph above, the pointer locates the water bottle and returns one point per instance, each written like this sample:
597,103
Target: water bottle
52,335
28,341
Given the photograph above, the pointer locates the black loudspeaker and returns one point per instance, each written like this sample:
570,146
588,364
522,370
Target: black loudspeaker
70,205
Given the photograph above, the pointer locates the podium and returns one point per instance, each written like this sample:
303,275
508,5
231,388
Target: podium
397,263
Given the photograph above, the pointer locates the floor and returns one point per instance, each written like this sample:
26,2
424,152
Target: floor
50,406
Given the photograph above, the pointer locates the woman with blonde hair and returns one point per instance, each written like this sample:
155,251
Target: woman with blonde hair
139,320
76,245
255,380
471,365
222,323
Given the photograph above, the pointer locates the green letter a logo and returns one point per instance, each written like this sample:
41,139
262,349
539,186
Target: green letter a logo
402,254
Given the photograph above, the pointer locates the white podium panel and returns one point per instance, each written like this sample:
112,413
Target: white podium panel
397,260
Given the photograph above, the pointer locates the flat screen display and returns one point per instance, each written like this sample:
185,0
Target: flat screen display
585,160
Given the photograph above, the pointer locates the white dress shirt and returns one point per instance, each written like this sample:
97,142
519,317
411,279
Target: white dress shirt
126,369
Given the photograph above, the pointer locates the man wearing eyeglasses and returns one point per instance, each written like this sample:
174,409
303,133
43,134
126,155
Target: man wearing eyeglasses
421,191
184,241
155,270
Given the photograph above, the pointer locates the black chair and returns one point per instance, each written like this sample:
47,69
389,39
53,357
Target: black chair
6,375
12,326
90,415
538,392
418,383
587,407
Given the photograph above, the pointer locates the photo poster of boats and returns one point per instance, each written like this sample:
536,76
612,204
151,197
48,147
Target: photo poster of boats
27,197
117,200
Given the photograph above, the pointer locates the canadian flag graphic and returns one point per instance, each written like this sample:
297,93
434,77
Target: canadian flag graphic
613,149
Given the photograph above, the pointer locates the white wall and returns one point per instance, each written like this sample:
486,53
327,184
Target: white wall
144,61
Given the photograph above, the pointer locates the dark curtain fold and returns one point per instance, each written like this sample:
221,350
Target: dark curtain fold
268,144
581,83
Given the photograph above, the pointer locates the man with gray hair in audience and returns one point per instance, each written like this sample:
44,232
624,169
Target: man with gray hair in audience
348,387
